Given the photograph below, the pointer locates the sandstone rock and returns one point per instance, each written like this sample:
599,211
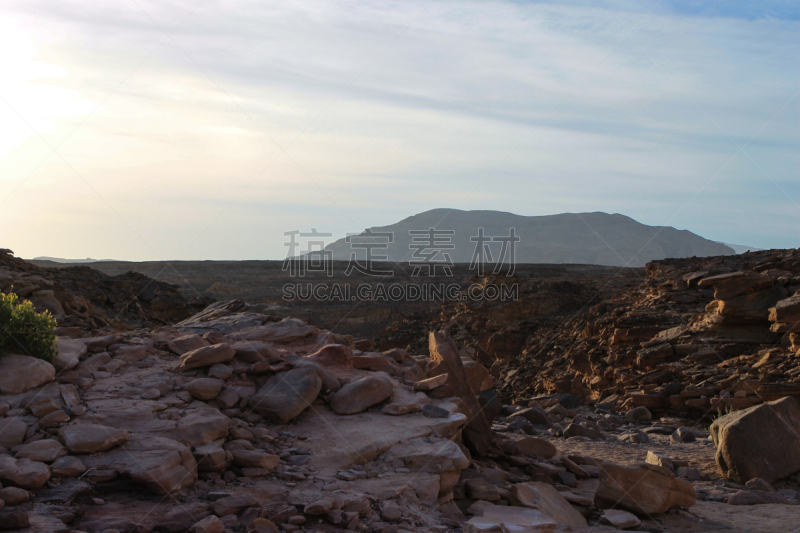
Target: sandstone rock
255,351
12,432
45,451
67,466
159,464
390,511
645,489
23,473
209,524
530,446
319,507
502,519
207,356
477,433
70,352
733,284
232,504
361,393
333,355
431,383
210,457
92,438
546,499
54,419
639,414
286,395
20,373
659,459
199,426
12,519
757,497
14,495
619,519
759,442
205,388
682,434
220,371
534,415
187,343
255,458
577,430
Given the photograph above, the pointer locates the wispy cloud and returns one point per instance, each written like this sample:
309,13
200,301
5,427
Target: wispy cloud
670,112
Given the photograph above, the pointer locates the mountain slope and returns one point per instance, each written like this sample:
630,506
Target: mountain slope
586,238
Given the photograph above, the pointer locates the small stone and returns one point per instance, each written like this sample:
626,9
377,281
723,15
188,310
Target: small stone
682,434
390,511
67,466
319,507
639,414
205,388
433,411
619,519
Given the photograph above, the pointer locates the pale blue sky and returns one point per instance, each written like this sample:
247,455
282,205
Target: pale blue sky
206,129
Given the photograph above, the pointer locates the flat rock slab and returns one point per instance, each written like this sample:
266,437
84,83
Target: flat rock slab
546,499
92,438
497,518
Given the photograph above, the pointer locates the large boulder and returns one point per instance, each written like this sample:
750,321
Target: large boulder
92,438
207,356
161,465
761,441
20,373
286,395
361,393
644,489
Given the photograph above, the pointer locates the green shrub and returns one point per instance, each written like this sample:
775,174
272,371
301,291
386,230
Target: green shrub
24,331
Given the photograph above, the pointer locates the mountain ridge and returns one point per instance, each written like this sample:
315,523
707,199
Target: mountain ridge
567,238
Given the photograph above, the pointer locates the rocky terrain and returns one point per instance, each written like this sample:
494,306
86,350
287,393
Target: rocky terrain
666,405
558,288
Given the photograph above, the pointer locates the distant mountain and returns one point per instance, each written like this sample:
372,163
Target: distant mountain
582,238
740,248
62,260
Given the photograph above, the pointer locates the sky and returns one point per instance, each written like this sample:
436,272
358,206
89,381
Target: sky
204,129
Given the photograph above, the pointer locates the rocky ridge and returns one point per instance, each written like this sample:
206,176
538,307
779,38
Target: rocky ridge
233,420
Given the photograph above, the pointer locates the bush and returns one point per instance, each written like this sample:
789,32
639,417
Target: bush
24,331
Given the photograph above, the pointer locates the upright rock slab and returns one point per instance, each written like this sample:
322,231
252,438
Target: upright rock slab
286,395
478,432
761,441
